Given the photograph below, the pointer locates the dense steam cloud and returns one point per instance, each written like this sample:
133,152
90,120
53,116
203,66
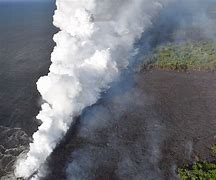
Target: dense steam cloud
113,145
95,41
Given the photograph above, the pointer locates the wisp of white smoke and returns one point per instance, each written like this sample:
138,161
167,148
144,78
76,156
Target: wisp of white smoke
94,43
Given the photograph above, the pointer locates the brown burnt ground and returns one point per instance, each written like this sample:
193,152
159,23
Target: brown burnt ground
186,102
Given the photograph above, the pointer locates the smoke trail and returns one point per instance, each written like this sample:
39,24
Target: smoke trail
93,45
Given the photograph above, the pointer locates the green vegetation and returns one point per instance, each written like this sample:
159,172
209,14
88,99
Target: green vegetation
199,171
214,149
182,57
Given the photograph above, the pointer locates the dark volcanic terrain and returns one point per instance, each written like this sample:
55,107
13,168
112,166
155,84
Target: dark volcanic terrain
167,120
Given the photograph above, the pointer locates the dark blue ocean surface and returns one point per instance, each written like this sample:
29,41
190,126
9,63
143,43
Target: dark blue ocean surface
26,33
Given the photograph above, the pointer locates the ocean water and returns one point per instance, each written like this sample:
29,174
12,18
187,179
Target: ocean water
26,33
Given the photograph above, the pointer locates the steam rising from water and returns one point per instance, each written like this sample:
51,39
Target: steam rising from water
94,43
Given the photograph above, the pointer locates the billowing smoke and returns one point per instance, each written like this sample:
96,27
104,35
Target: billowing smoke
95,41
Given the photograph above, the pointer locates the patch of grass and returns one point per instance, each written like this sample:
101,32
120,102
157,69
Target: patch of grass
182,57
214,149
199,171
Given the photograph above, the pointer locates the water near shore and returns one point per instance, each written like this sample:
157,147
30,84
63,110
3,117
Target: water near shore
26,32
25,46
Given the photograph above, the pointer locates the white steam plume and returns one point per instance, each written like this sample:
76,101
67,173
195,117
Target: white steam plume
94,44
